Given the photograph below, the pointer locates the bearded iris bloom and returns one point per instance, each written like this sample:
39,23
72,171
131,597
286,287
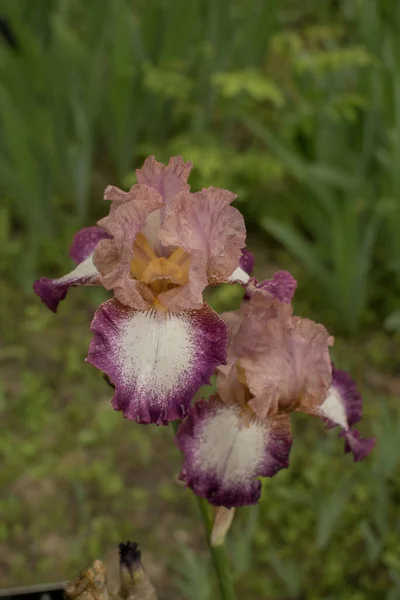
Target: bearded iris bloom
277,364
157,250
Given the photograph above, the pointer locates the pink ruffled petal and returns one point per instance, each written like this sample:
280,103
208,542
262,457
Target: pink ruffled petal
128,291
225,452
253,336
113,256
342,407
156,360
52,291
126,221
282,286
210,230
116,196
169,179
294,371
247,337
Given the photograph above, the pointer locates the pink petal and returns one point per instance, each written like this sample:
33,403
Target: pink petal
127,220
211,231
156,360
117,196
225,452
249,337
294,372
128,291
167,180
253,335
282,286
52,291
113,256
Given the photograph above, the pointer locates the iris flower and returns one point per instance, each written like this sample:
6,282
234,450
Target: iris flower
158,249
277,364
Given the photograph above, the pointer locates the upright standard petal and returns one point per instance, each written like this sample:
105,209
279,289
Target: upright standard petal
52,291
169,179
225,450
212,232
253,336
126,221
294,372
282,286
116,196
247,337
113,258
157,360
343,407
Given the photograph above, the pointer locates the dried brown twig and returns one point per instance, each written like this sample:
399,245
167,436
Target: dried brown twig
134,583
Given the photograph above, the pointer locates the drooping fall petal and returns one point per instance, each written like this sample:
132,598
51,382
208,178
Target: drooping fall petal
52,291
226,450
169,179
157,360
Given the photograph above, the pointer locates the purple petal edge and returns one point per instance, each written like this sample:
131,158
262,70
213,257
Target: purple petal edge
247,261
50,294
208,484
351,397
283,286
358,446
143,403
52,291
85,241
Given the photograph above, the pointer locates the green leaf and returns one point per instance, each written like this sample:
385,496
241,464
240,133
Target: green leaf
331,510
304,251
251,82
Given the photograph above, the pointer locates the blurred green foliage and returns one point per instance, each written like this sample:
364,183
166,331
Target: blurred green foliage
79,478
294,105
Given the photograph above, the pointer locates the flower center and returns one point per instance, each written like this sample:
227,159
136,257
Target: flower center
159,273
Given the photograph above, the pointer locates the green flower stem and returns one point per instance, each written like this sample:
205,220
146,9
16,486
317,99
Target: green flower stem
218,554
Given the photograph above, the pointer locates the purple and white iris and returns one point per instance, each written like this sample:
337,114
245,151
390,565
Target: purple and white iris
157,250
277,363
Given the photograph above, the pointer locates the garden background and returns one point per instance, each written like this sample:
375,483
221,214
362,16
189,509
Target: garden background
295,106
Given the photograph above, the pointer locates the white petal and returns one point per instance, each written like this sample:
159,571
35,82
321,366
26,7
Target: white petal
333,409
240,275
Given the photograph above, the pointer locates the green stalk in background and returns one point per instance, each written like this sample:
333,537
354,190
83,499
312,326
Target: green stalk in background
218,552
